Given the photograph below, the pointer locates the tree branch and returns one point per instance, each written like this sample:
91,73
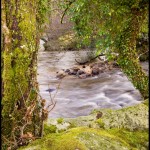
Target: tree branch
70,3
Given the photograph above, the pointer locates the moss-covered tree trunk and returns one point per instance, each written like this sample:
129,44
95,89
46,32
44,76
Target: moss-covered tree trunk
21,107
128,59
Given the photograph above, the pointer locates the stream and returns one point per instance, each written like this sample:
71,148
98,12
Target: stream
78,97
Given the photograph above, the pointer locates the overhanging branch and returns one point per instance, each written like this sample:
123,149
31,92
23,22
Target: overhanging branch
70,3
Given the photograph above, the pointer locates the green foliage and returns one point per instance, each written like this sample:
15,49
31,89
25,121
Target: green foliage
43,9
100,122
49,129
114,26
60,120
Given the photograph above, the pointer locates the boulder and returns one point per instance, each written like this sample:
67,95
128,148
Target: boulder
103,129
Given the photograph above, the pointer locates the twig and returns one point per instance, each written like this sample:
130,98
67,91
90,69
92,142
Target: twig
54,96
8,140
142,54
70,3
50,95
52,107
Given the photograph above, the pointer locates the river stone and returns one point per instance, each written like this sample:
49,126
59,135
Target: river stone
75,68
80,72
82,76
72,72
61,74
88,70
67,70
95,71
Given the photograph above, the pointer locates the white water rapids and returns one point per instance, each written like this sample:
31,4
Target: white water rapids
78,97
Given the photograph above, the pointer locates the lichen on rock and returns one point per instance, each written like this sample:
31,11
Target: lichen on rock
123,129
132,118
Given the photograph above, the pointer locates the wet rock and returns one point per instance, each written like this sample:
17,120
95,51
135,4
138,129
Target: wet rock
72,72
95,65
82,76
89,75
88,70
75,69
61,74
101,70
80,72
95,71
67,70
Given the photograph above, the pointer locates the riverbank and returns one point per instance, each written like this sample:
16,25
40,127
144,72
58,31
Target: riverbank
104,129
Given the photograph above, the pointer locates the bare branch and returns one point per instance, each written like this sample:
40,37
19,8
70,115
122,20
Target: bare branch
65,11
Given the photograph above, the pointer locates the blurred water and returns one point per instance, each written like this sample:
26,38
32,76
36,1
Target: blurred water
77,97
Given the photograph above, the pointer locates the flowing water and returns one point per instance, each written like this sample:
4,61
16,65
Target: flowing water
77,97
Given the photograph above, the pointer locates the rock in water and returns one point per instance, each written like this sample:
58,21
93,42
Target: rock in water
95,71
67,70
75,68
50,90
61,74
72,72
82,76
88,70
80,72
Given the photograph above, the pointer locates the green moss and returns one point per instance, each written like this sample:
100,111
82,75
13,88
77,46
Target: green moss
125,129
49,129
146,102
92,139
100,122
72,125
60,120
136,139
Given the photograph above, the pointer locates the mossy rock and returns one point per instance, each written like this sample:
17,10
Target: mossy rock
59,123
125,129
131,118
64,42
83,138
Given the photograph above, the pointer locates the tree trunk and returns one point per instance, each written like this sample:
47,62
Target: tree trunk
128,59
19,84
